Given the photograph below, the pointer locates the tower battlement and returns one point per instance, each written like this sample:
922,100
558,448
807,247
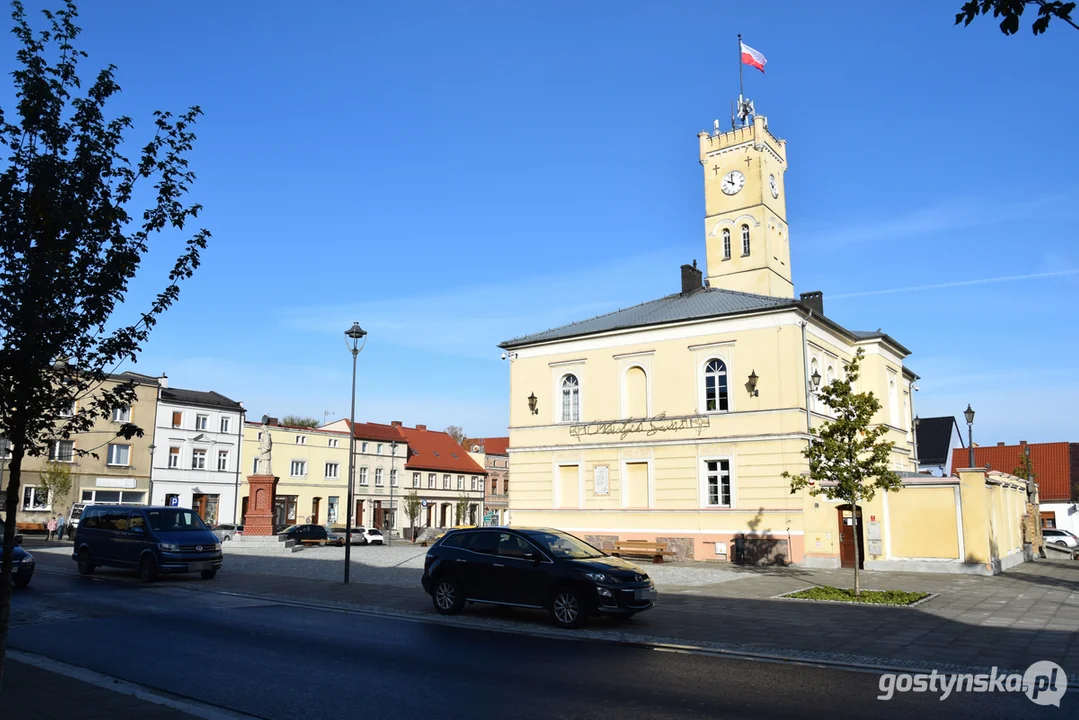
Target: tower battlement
757,133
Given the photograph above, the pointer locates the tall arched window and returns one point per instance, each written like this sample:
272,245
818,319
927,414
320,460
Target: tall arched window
745,239
715,386
571,399
726,244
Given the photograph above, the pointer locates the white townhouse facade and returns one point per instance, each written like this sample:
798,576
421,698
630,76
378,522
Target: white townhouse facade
196,453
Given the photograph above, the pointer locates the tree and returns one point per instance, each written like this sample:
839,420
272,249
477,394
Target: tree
848,460
71,241
461,508
56,478
1011,10
1025,468
457,433
413,505
300,421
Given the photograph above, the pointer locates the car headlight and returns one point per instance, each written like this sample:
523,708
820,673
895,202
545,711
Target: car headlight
168,547
598,577
28,560
217,546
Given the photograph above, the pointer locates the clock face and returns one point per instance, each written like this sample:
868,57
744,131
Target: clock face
732,182
774,185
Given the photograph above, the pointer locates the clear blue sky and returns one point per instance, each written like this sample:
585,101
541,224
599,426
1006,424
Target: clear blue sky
454,174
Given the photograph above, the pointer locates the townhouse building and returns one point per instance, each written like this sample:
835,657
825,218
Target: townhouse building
493,455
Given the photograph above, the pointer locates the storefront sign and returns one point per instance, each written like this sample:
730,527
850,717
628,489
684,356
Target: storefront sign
647,426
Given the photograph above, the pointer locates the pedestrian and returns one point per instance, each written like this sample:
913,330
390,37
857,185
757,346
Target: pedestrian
60,526
51,527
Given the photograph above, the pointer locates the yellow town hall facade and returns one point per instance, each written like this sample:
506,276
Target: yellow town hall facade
674,420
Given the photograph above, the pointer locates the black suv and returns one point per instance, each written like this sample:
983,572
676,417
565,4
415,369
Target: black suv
533,567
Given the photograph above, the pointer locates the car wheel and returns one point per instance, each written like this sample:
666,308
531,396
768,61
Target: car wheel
363,541
208,574
86,565
447,596
148,569
568,608
226,538
22,581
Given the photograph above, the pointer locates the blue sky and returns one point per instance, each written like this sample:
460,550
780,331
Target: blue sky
454,174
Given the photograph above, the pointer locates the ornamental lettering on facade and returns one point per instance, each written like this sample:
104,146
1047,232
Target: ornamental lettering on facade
647,426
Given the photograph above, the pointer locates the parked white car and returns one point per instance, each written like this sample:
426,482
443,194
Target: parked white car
362,536
1056,536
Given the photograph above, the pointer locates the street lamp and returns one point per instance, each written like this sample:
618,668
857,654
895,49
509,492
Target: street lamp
969,415
815,377
393,477
354,334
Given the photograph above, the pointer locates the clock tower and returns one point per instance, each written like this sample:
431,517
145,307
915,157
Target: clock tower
745,210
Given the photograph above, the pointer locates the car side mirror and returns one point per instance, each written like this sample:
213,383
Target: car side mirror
18,539
531,556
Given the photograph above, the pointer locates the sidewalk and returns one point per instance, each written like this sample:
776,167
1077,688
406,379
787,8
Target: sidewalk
31,693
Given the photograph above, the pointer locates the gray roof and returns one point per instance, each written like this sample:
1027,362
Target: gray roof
198,397
705,303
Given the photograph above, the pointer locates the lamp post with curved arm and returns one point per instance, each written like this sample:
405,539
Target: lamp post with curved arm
354,334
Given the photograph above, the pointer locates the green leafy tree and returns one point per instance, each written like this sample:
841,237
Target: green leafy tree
56,478
413,506
1010,12
300,421
461,508
1025,468
71,241
848,459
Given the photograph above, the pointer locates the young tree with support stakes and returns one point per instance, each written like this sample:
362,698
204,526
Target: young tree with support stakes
848,459
71,241
413,506
56,479
461,508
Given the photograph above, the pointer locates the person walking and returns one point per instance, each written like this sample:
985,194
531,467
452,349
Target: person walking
51,527
60,526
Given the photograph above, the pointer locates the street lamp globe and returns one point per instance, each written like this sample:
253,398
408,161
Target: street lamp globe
355,332
969,414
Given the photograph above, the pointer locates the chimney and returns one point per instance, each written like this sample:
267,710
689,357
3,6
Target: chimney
163,381
421,427
395,423
691,279
1000,444
814,301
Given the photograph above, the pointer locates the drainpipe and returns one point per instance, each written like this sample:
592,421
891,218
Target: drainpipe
805,370
239,457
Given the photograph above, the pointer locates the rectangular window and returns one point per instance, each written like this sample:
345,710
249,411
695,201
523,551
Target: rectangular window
222,460
415,479
202,422
68,410
494,486
333,471
378,477
431,481
447,482
363,476
298,468
378,450
121,414
224,424
174,457
198,459
62,451
35,498
119,454
393,478
460,482
363,447
718,483
333,442
177,419
331,509
254,465
301,439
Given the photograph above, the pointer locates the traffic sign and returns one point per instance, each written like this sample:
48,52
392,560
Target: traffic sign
423,503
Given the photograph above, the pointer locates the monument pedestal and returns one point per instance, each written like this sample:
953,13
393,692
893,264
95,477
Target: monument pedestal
259,519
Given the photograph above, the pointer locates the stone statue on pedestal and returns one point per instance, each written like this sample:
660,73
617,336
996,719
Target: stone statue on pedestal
265,448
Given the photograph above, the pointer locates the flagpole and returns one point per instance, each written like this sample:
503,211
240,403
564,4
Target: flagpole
741,89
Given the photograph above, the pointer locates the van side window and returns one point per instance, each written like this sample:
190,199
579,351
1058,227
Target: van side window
113,520
137,523
91,519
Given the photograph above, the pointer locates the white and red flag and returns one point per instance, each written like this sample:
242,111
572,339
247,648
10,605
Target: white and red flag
753,57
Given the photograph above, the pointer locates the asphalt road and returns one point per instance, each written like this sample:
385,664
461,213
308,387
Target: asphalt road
285,662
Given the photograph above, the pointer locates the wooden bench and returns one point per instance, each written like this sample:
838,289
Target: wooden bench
655,550
29,527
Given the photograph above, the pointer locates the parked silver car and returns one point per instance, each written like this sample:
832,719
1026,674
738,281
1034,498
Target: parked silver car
226,532
1057,536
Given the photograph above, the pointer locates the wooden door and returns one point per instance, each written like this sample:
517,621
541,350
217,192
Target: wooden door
358,522
430,514
849,533
198,504
314,510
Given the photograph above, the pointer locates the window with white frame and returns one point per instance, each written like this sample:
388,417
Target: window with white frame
198,459
333,470
202,422
62,451
222,460
460,482
715,386
121,414
475,483
35,498
119,455
301,439
378,450
68,410
431,479
363,475
393,478
726,244
571,399
178,420
298,468
174,457
893,403
745,240
446,482
415,479
333,442
225,424
363,447
378,477
717,483
254,465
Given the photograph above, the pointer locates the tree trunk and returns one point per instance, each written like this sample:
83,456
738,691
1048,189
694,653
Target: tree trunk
10,518
857,550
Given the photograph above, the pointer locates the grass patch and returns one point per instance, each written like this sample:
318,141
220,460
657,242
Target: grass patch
871,597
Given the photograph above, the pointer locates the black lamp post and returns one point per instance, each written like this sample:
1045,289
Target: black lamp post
354,334
969,415
393,477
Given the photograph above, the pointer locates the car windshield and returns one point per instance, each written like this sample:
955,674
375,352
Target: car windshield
170,520
561,545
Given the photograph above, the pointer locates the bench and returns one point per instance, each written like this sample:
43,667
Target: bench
655,550
29,527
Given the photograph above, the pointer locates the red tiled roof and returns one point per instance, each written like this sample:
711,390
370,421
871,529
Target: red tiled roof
491,446
432,450
1050,462
377,431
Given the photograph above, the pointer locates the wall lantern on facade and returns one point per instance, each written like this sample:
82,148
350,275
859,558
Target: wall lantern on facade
751,385
815,377
532,404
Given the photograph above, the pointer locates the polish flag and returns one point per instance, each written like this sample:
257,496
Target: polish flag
753,57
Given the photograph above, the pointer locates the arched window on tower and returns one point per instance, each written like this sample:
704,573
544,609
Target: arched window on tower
715,386
571,399
745,240
726,244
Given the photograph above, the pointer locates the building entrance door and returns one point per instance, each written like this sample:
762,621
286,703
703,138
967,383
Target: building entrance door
314,510
850,532
359,513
